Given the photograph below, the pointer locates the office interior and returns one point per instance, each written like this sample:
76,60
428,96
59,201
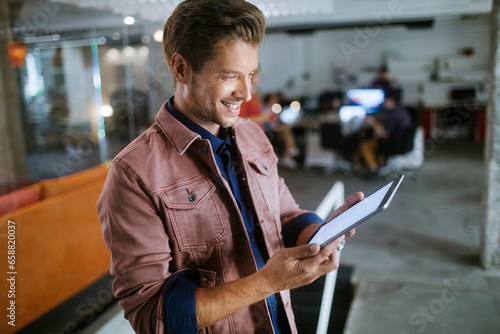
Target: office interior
81,79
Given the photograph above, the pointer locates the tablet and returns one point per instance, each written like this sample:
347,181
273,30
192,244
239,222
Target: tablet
356,214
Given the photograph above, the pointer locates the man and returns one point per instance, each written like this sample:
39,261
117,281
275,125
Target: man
193,210
382,80
389,133
269,121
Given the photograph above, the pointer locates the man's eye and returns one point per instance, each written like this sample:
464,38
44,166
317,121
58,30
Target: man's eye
229,77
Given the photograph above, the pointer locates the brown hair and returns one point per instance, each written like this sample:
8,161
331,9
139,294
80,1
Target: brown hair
196,27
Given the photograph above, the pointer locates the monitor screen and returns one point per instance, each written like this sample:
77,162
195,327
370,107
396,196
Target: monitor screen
370,98
347,113
292,113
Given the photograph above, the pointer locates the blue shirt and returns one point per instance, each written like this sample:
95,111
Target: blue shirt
179,301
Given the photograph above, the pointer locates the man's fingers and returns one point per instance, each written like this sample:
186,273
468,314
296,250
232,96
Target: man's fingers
303,251
350,233
327,253
353,199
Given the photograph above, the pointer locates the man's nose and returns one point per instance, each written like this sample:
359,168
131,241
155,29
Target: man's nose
244,89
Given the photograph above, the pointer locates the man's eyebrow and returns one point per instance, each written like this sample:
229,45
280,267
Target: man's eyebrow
224,72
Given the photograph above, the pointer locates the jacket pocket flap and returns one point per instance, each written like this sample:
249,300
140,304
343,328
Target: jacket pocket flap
263,162
207,278
188,195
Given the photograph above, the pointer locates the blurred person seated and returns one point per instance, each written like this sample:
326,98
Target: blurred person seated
350,125
270,122
384,133
329,107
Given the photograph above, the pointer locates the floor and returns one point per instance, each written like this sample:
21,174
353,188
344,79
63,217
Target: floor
416,265
412,269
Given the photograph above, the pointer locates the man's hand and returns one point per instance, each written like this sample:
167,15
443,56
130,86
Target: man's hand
309,230
352,200
287,269
376,126
298,266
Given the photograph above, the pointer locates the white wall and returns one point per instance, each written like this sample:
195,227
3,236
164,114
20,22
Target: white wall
352,56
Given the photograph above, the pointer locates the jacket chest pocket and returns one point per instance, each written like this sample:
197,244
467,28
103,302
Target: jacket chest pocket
194,213
264,165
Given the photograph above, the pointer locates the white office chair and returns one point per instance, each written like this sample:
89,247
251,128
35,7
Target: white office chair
407,163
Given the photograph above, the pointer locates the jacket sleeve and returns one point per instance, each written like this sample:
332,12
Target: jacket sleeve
293,219
140,251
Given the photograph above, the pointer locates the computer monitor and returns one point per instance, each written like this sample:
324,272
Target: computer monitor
369,98
347,113
291,114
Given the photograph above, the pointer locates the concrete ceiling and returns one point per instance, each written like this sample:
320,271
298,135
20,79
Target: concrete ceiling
39,17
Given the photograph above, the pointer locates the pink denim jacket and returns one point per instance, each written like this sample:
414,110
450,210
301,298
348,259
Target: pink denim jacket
165,207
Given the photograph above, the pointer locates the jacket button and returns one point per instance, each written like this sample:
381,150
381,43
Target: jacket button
204,279
203,150
241,237
191,198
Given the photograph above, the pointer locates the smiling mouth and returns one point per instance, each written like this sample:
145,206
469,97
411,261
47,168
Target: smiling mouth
233,107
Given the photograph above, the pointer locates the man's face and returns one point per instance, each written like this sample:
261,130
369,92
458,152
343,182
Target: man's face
214,95
389,104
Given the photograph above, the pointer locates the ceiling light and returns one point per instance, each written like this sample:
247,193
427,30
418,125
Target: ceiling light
129,20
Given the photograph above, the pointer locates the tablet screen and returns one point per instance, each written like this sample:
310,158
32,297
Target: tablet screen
355,215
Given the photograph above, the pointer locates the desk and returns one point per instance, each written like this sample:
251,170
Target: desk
454,122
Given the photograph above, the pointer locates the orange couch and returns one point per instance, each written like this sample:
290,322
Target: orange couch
59,249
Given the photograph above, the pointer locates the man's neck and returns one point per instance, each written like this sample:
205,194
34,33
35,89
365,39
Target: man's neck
186,111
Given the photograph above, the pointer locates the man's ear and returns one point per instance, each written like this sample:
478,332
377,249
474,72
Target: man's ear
180,68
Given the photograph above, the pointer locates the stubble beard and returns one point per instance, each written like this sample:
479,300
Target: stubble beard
210,115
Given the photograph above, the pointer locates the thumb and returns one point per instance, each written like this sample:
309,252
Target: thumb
304,251
355,198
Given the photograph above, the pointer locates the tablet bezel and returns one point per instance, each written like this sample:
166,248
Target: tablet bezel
383,205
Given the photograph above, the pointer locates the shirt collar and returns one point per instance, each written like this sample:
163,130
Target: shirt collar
216,142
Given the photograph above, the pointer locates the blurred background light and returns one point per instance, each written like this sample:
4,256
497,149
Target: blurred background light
295,106
276,108
106,110
129,20
158,36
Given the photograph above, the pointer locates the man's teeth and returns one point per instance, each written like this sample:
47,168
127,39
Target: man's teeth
230,105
